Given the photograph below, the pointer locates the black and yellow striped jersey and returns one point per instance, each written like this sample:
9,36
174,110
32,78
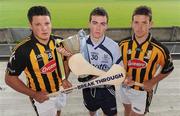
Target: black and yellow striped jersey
38,61
141,61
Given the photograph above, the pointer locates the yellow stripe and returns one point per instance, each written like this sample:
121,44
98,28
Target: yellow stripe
141,57
36,69
124,41
125,52
159,47
156,50
133,53
29,77
51,80
60,61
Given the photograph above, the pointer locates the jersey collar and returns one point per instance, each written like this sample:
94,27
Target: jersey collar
89,41
149,38
36,40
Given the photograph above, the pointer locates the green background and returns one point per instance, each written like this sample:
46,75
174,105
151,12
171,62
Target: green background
75,13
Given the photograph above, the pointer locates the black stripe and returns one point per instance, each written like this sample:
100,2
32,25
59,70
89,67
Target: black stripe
143,71
161,47
44,76
142,74
57,63
54,74
34,77
119,60
89,41
34,106
30,68
129,54
106,50
125,40
55,80
138,50
122,53
100,43
152,67
58,72
134,74
29,85
166,55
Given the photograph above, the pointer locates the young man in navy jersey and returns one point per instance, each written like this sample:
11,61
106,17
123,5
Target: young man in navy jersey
103,53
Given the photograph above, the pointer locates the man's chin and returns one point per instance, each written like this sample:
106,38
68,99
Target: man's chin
139,35
45,37
97,36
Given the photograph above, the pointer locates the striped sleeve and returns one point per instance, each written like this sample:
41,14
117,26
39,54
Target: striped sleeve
168,66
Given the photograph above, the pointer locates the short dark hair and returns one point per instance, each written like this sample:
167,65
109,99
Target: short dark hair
99,11
36,11
143,10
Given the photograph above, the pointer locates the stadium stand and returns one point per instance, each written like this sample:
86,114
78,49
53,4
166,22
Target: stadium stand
170,36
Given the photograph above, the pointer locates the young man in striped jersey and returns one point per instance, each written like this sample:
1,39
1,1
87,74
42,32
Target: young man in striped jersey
36,56
142,57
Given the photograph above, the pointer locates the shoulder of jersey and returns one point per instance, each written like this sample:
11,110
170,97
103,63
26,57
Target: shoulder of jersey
56,36
124,40
158,44
110,41
24,41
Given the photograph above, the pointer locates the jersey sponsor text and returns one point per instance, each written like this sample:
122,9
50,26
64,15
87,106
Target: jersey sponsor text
136,63
50,67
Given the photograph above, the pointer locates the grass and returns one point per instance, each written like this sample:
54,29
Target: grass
75,13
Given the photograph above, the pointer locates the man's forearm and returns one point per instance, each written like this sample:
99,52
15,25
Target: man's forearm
159,77
15,83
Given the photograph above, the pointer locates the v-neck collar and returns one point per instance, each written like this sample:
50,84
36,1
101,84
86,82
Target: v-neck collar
89,41
149,37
